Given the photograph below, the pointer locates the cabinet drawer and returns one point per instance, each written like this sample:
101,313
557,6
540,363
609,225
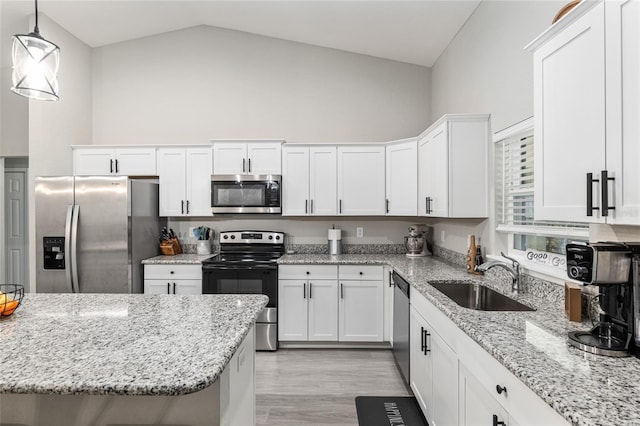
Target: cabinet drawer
361,272
305,272
447,330
193,272
521,402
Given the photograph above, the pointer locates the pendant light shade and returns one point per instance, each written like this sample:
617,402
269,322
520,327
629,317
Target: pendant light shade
35,65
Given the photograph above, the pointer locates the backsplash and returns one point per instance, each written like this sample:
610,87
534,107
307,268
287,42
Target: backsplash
347,249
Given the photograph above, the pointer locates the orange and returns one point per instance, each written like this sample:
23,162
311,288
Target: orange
8,307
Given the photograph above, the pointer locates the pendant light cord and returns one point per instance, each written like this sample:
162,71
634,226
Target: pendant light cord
36,29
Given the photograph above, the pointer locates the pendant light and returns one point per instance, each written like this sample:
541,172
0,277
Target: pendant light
35,65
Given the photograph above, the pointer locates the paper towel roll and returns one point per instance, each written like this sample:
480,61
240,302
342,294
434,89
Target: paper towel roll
335,234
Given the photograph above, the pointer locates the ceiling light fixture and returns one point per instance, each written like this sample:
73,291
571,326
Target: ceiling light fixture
35,65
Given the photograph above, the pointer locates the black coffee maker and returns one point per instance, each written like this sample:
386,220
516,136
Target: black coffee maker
613,267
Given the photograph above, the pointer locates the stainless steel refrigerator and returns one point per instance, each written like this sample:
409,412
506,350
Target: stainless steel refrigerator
92,233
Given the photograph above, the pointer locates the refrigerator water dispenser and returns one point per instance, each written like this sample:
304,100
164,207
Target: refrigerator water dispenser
53,252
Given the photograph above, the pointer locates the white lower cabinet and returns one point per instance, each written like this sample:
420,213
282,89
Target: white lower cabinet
456,382
172,279
315,303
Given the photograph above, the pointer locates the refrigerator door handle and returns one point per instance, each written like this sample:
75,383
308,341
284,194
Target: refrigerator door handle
67,247
74,249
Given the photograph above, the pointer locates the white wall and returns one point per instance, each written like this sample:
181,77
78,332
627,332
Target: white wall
485,69
54,126
203,83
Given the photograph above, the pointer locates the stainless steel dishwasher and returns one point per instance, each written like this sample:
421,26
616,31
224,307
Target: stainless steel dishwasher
401,325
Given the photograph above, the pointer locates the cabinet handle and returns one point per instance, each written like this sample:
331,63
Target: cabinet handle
174,288
501,389
311,206
340,206
429,207
310,290
110,166
168,288
387,200
422,339
187,206
243,166
604,178
391,283
426,346
341,291
496,422
590,207
306,202
182,206
249,165
426,205
117,166
304,290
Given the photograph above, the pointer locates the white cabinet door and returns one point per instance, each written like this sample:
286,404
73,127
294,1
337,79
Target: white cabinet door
135,161
420,373
187,286
172,181
435,178
477,406
292,310
445,381
93,162
361,180
264,158
623,109
402,179
157,287
361,311
295,181
229,158
323,181
198,181
569,120
323,310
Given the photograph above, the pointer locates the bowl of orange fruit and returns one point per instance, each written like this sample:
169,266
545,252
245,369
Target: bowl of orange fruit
10,298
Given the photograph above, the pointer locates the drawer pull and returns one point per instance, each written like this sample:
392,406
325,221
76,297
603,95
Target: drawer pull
496,422
501,389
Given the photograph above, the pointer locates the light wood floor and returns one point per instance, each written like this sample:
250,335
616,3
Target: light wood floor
318,387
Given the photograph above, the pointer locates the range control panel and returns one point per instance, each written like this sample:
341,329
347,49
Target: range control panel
251,237
53,252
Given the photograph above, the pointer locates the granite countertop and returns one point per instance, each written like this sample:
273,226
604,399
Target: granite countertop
178,259
585,389
122,344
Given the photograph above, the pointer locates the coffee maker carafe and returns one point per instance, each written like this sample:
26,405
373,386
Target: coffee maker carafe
609,266
416,243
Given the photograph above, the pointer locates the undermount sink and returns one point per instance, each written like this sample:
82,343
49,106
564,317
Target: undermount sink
479,297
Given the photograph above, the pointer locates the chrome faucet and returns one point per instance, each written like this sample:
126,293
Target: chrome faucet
513,269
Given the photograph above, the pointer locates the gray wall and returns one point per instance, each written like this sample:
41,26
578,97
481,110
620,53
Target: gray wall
204,83
485,69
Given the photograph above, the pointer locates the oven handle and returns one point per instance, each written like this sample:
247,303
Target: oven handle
238,268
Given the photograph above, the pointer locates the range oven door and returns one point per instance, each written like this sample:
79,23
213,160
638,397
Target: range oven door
245,194
249,280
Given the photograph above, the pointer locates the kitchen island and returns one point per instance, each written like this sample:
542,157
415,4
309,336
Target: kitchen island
102,359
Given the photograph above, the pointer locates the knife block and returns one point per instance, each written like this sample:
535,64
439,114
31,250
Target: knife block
573,301
171,247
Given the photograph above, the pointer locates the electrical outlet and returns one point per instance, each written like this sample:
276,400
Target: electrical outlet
442,236
359,232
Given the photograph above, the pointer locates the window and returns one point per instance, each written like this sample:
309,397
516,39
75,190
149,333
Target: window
533,241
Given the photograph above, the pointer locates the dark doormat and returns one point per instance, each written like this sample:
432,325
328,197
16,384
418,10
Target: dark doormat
389,411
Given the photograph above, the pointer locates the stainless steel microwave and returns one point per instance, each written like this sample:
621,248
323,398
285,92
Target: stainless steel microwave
246,194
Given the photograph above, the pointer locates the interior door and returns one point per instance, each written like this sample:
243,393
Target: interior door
16,228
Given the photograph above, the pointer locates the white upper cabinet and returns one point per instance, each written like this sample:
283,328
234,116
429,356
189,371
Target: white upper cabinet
453,158
185,181
114,161
361,180
309,176
249,158
586,109
402,178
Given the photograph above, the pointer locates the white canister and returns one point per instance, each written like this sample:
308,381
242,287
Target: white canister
335,241
203,247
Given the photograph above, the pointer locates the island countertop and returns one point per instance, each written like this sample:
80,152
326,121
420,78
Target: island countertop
587,390
117,344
